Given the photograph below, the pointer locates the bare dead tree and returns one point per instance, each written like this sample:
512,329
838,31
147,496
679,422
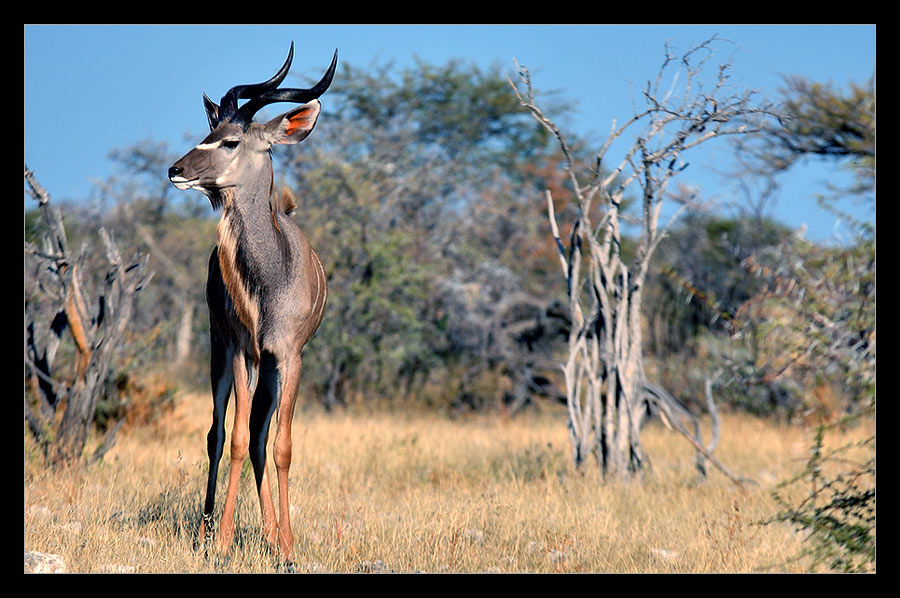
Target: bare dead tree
608,393
61,301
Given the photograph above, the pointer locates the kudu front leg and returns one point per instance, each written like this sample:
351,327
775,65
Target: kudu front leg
240,442
222,379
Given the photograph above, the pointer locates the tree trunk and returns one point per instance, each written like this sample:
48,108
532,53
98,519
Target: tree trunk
607,391
184,336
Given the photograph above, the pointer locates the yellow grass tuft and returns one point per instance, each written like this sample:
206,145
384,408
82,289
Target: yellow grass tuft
424,493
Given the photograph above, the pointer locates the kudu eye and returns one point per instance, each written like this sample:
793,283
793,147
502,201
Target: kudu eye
231,143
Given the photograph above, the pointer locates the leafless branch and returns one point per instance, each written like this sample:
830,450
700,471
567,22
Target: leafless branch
96,324
605,381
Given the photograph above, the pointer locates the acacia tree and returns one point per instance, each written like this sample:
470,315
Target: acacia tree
817,299
818,122
821,300
607,390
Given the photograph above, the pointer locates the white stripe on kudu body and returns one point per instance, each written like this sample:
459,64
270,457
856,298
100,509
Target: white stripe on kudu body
266,291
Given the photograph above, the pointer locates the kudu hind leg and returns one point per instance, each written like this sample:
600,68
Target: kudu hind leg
290,382
264,401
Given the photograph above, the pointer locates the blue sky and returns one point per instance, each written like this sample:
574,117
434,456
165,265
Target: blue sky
92,89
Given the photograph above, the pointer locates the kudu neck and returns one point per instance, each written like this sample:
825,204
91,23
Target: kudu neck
249,224
247,197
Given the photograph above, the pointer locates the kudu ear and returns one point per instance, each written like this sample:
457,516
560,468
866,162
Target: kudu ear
212,112
293,126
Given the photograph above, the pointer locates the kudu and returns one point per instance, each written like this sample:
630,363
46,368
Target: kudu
266,291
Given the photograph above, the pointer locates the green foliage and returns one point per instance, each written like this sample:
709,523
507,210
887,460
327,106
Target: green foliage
392,195
693,305
457,109
701,281
801,315
32,221
838,510
821,299
807,326
827,123
820,305
823,123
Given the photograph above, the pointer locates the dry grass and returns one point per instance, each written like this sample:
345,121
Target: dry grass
408,493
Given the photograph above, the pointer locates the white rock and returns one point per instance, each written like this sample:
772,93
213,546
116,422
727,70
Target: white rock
43,562
662,553
556,556
40,513
475,536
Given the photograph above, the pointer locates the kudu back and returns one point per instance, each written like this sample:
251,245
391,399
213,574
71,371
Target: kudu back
266,290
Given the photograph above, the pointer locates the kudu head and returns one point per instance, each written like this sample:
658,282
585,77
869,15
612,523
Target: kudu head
235,154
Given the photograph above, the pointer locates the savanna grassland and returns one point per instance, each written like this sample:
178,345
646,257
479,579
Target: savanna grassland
424,493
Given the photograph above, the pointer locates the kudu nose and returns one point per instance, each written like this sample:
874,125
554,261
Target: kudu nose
174,171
